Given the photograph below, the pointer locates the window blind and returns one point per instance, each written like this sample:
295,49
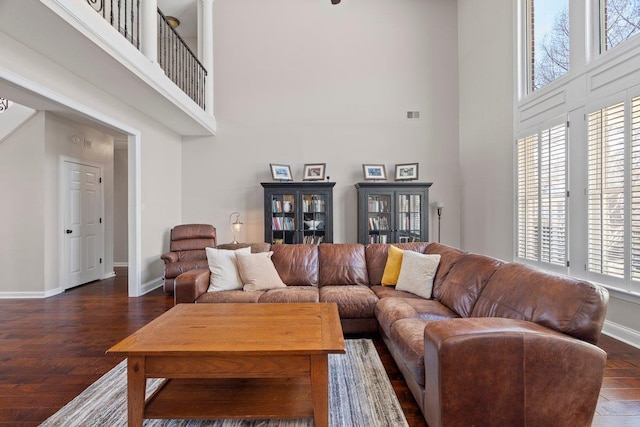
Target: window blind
528,198
605,191
635,188
542,196
553,195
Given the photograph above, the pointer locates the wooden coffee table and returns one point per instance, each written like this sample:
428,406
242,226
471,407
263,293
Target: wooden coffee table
224,361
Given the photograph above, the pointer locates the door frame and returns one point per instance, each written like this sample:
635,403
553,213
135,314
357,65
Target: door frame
11,80
63,261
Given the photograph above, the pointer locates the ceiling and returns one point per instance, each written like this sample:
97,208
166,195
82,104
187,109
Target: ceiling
186,11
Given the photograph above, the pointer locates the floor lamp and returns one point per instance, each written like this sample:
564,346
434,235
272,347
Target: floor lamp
439,206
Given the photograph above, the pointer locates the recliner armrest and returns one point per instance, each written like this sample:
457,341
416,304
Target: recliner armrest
190,285
522,373
169,257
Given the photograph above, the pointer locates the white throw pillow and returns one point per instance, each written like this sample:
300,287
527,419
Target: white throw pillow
417,272
224,269
258,272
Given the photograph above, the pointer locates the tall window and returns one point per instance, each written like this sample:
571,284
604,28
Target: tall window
620,20
606,191
542,196
548,40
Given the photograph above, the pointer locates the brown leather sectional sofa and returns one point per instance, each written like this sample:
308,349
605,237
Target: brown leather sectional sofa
499,344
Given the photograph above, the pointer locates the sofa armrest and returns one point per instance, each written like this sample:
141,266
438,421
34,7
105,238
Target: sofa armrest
169,257
521,372
190,285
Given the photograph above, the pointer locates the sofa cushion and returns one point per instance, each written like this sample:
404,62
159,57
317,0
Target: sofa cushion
376,255
342,264
408,337
568,305
258,272
224,269
354,301
174,269
297,265
230,296
448,257
392,292
191,255
389,310
291,294
467,277
417,272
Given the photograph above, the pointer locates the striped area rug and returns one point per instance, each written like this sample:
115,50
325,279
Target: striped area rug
360,395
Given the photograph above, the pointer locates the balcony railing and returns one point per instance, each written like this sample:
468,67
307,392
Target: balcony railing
122,15
177,61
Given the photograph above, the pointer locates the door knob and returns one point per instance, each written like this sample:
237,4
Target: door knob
69,231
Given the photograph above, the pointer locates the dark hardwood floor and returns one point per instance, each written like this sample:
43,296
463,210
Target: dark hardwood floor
52,349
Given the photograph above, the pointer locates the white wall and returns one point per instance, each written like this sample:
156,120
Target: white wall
120,206
486,63
160,152
12,118
303,82
58,142
22,208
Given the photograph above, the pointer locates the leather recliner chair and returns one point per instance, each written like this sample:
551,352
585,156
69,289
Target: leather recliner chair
187,246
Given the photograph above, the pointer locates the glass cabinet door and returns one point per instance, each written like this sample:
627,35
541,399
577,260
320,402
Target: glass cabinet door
379,218
313,218
283,221
409,227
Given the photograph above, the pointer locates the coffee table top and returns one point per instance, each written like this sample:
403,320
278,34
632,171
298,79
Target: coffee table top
230,328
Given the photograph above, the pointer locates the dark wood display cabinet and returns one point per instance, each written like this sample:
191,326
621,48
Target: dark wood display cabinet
393,212
298,212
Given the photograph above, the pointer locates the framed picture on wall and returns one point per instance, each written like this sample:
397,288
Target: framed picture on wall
281,172
314,172
406,171
374,172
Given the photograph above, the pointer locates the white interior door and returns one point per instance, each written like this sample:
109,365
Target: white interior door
82,213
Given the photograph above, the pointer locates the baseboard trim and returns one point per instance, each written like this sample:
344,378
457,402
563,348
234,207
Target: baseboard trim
31,295
120,264
109,275
151,285
621,333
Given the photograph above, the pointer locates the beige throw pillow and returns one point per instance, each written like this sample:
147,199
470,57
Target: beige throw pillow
258,272
417,272
224,269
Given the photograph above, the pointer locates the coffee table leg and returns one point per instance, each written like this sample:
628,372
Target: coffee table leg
136,385
320,389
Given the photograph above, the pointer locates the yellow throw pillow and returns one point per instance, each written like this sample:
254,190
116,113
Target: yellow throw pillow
392,267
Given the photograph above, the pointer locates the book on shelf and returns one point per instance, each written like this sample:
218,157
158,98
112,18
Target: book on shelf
312,240
377,238
376,205
283,223
378,223
315,204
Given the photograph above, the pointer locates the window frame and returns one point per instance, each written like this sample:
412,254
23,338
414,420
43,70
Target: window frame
537,131
601,42
526,72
